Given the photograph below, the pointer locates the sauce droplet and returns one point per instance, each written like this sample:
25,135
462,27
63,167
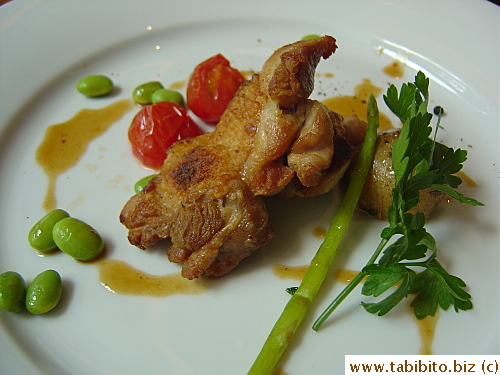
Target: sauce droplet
394,69
319,232
65,143
289,272
468,181
344,276
426,330
348,106
119,277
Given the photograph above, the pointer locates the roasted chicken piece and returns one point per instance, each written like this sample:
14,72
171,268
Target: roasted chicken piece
377,192
206,197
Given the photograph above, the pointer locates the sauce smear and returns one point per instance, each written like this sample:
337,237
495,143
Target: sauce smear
344,276
466,179
348,106
426,330
289,272
319,232
121,278
394,69
65,143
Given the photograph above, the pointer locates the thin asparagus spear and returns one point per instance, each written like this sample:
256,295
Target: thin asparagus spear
296,309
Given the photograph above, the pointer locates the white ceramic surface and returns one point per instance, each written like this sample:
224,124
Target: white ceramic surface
47,45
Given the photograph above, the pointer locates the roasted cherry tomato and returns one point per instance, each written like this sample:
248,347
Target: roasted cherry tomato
155,128
211,86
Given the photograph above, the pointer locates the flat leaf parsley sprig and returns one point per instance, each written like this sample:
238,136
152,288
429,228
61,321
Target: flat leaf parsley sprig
419,162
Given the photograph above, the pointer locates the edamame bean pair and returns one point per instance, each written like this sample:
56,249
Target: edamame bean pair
154,92
147,93
72,236
42,295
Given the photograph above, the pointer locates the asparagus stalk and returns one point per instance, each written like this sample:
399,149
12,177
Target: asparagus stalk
296,309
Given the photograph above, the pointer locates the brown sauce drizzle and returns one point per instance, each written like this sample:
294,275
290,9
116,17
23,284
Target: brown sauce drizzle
319,232
289,272
348,105
65,143
466,179
121,278
177,85
426,326
344,276
426,330
280,371
394,69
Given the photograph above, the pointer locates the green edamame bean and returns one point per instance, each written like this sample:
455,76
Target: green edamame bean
95,85
142,93
141,184
44,292
40,236
12,291
311,36
166,95
77,239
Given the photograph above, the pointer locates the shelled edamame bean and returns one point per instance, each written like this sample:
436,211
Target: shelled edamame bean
167,95
40,235
142,93
12,291
141,184
77,239
44,292
95,85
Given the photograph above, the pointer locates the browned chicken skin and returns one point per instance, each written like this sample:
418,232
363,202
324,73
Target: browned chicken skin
206,197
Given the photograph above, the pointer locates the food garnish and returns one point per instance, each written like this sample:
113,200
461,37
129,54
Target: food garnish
155,128
95,85
419,163
44,292
211,87
41,296
143,93
297,307
12,291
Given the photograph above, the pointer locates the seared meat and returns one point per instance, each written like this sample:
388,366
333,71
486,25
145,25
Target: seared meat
207,198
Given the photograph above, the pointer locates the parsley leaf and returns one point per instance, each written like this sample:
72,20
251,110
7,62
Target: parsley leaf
435,287
382,278
419,163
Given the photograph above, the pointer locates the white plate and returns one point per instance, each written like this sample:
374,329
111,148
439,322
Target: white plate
46,46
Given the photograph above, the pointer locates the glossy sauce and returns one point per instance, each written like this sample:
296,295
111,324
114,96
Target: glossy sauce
394,69
289,272
177,85
426,326
426,330
466,179
319,232
280,371
121,278
348,106
65,143
344,276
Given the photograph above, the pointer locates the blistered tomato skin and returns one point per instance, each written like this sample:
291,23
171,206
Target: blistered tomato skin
155,128
211,87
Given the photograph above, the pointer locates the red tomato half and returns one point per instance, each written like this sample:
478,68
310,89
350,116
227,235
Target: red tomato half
155,128
211,87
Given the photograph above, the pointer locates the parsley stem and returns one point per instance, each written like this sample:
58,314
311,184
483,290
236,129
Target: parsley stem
297,307
348,289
